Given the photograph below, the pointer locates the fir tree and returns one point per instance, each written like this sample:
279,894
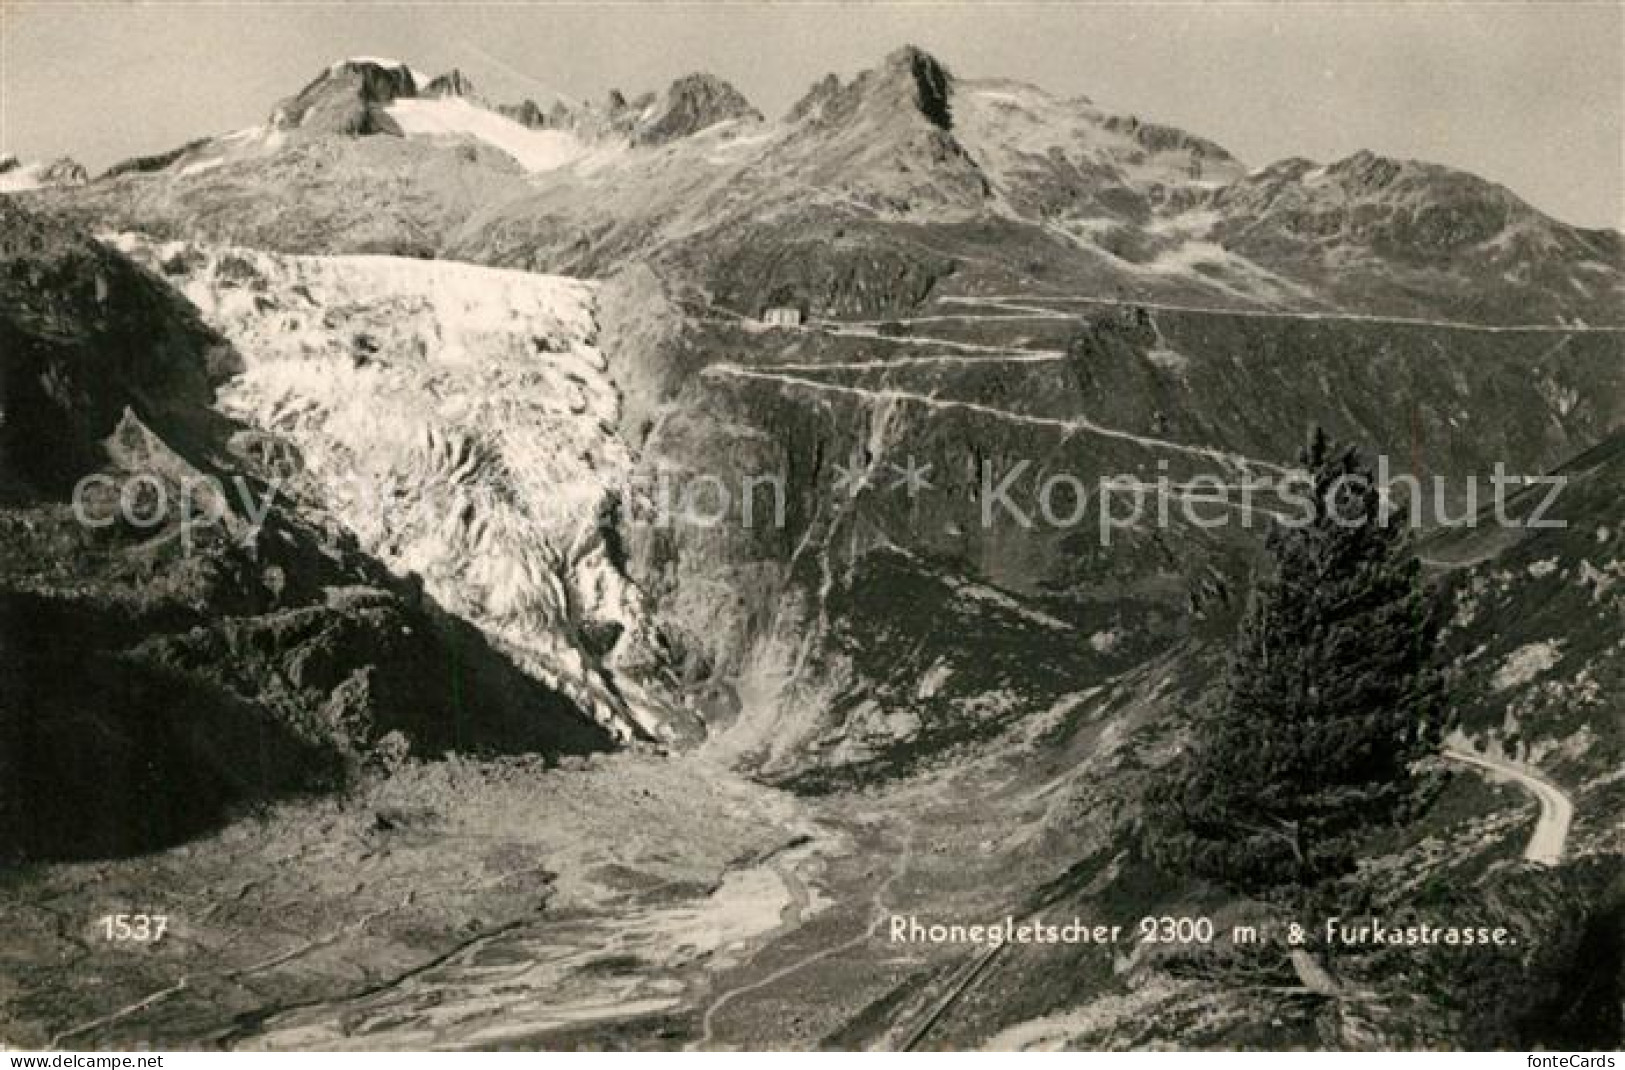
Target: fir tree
1329,696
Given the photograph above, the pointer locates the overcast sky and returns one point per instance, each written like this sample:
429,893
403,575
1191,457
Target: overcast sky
1532,96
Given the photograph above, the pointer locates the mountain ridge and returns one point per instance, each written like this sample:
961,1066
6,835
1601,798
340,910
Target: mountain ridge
692,176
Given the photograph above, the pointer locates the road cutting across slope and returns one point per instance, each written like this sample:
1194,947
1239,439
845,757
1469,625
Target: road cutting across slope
1077,425
1550,837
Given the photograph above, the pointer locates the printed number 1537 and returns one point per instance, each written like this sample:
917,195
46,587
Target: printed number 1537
135,928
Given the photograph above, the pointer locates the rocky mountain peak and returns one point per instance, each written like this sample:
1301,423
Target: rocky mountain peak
1367,171
908,81
380,80
348,98
454,83
689,105
931,82
64,171
16,176
814,100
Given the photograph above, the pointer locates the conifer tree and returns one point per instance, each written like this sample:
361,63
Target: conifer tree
1329,696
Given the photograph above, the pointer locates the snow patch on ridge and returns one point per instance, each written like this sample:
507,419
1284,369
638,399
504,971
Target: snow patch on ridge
535,150
201,166
25,177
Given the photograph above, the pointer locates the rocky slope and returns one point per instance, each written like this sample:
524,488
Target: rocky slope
1069,398
1534,653
1536,633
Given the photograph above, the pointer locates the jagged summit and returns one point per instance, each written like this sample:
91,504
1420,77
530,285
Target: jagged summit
454,83
886,139
382,79
370,61
691,104
933,85
909,80
1126,204
363,96
347,98
16,176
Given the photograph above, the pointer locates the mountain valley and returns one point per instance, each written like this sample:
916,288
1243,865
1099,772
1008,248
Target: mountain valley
448,731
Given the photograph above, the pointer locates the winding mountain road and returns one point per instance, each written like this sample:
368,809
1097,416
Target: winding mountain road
1545,847
1005,301
1547,842
1075,426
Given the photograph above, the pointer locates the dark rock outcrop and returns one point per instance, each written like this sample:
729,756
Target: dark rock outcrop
932,84
64,171
525,113
158,161
347,98
454,83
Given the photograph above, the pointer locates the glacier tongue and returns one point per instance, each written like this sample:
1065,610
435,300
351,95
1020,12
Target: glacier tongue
459,421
